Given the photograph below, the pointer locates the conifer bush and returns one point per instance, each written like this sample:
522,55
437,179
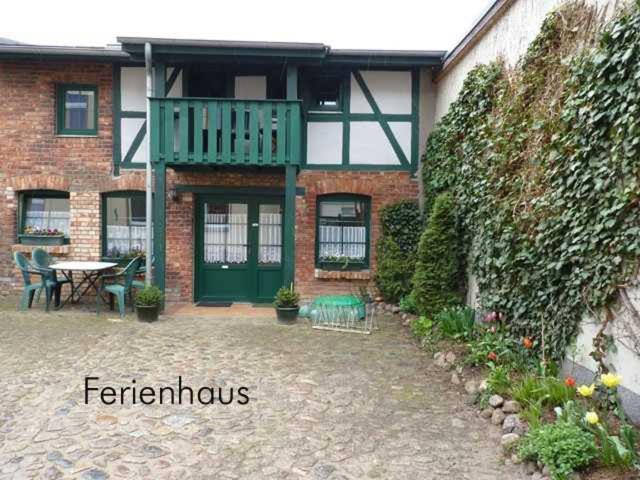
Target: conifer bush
436,276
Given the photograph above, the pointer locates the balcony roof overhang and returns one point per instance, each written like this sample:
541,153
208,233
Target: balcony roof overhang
183,50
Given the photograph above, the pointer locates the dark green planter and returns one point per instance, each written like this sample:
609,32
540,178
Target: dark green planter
287,316
27,239
148,313
337,266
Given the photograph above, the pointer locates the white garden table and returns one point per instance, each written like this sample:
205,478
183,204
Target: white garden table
91,273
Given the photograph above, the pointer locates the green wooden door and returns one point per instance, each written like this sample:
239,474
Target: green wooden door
238,249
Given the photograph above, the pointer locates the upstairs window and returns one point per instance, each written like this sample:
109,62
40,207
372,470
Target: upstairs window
343,232
326,92
45,210
77,109
124,224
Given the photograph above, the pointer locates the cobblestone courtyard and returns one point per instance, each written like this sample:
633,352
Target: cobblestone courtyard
324,405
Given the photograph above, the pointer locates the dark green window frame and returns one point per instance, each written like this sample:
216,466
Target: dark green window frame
344,265
22,201
61,91
313,105
103,207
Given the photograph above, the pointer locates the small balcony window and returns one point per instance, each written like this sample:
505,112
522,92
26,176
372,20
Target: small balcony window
326,92
77,109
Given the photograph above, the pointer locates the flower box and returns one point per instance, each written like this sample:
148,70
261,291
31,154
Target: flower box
31,239
333,265
122,261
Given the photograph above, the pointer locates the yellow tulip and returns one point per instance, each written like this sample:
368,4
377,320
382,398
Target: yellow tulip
611,380
586,391
591,418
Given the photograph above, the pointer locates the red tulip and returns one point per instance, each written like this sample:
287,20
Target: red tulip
527,343
570,382
492,356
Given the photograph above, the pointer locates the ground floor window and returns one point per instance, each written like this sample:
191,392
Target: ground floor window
124,224
44,211
342,238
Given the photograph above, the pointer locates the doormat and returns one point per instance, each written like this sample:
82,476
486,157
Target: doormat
213,304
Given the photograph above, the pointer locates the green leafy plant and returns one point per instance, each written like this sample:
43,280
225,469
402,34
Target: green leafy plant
499,380
408,304
422,327
286,297
435,282
562,446
149,296
456,322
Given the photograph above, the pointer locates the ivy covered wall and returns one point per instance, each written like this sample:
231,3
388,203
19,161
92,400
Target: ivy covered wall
544,163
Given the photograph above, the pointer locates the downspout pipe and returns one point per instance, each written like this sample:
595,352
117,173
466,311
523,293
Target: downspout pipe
148,275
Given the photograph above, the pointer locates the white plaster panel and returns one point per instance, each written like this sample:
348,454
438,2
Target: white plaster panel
133,89
369,145
390,90
324,143
251,87
402,132
359,103
176,90
128,130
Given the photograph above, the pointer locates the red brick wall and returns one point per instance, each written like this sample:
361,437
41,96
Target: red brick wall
33,157
382,187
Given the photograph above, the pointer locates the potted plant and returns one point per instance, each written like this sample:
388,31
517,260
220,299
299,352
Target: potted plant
148,303
41,236
287,305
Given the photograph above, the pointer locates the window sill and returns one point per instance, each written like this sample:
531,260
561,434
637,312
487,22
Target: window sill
77,135
52,249
342,274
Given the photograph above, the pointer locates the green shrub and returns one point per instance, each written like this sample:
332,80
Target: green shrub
422,327
396,250
487,343
149,296
436,276
499,380
457,322
286,297
618,450
549,391
393,272
562,446
408,304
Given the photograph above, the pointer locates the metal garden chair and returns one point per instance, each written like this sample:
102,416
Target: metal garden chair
30,288
42,260
119,290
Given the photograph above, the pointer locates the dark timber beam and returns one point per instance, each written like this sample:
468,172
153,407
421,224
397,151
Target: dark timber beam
289,243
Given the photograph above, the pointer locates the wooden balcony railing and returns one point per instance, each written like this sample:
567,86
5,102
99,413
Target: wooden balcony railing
213,131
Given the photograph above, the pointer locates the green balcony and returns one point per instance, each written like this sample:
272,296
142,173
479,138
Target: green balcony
214,131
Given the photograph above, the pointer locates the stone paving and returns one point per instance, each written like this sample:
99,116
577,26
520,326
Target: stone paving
324,405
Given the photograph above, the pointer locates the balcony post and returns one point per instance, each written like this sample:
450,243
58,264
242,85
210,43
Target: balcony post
159,199
289,244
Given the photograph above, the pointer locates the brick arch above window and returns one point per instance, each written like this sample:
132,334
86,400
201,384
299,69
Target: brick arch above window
345,185
40,182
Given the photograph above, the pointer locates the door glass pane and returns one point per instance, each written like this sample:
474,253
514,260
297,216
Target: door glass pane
270,238
225,233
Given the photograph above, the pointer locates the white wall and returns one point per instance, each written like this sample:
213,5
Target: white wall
509,38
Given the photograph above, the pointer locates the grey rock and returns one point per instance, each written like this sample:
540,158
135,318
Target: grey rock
52,473
450,357
470,387
94,474
455,379
395,309
177,421
536,476
497,417
483,386
545,471
511,406
496,401
509,440
512,424
322,471
487,413
530,468
440,359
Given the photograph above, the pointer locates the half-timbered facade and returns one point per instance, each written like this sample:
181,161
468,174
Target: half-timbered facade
271,161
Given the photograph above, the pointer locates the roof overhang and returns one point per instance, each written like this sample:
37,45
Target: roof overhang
22,51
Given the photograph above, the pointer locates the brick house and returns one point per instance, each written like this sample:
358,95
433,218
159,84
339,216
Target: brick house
271,160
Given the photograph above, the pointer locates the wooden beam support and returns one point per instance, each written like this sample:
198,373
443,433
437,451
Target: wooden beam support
291,171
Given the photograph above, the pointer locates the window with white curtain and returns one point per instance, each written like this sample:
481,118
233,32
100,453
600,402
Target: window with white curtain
343,230
124,216
45,211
